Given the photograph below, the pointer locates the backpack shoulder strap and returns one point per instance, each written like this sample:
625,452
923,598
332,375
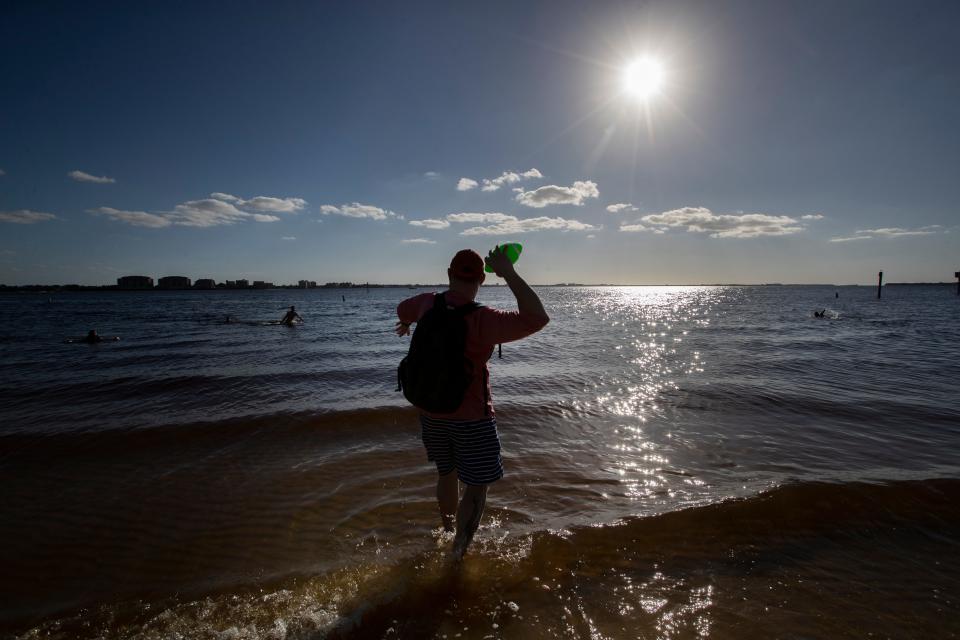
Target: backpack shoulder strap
468,308
440,303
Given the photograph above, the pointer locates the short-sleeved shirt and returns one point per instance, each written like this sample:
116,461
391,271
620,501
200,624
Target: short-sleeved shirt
486,328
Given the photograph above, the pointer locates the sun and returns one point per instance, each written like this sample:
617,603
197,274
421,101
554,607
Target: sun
643,78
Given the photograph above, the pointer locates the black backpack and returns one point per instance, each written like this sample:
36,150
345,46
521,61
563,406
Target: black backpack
436,372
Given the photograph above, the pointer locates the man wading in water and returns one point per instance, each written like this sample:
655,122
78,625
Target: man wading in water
445,375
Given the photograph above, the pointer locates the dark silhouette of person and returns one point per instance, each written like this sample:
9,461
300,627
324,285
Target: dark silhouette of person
291,316
466,440
92,337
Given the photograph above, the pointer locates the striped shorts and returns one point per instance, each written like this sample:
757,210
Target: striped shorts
472,447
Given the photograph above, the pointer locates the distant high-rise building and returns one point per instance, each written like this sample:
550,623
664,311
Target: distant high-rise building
173,282
205,283
307,284
260,284
243,284
135,282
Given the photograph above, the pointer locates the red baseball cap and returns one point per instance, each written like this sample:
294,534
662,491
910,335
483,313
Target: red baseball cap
467,265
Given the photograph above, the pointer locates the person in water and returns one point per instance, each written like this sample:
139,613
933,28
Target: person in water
92,337
291,316
466,441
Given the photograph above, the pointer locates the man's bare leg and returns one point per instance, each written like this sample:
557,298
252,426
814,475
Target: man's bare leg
468,518
448,491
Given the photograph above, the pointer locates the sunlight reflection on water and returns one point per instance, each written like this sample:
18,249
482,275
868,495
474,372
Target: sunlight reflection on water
650,324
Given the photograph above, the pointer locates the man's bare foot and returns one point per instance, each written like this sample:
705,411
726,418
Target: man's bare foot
458,550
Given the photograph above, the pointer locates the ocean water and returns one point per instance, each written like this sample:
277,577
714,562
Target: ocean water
681,462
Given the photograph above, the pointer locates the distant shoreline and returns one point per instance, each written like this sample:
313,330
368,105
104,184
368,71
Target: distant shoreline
49,288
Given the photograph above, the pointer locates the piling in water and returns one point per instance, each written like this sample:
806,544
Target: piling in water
879,284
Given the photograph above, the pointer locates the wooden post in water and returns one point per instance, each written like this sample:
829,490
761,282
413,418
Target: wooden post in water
879,284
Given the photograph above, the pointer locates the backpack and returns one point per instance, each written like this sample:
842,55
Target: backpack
436,372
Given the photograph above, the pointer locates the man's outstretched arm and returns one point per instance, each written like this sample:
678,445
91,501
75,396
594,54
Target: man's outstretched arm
410,310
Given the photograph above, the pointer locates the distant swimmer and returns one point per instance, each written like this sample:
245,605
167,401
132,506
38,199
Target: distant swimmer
291,316
819,314
92,337
228,320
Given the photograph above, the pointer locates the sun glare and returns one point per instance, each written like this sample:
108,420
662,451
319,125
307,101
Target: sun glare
643,78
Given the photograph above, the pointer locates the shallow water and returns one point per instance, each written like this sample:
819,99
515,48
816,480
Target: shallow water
681,462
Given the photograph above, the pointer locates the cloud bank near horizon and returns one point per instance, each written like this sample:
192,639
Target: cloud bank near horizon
703,220
493,223
889,232
217,210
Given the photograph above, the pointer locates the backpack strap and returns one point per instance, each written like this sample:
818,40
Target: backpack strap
440,303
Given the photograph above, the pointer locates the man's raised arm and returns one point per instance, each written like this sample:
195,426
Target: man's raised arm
528,302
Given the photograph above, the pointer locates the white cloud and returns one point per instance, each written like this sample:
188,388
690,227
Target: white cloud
850,238
288,238
357,210
504,179
263,203
746,225
480,217
135,218
280,205
508,177
430,223
640,228
513,225
418,241
226,197
890,232
575,194
208,212
82,176
622,206
219,209
813,216
431,175
25,216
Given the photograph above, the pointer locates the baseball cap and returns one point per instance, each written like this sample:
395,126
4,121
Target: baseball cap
467,265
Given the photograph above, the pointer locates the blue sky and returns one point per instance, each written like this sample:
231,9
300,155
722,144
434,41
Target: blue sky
789,142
